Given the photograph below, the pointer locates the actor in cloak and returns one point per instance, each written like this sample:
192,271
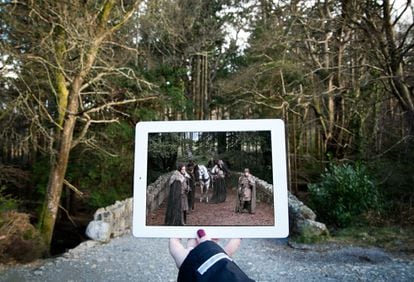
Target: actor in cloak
246,193
219,173
177,201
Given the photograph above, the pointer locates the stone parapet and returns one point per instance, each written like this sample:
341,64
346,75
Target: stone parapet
157,192
111,221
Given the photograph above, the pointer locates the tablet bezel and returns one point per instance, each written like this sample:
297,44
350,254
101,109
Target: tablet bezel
280,229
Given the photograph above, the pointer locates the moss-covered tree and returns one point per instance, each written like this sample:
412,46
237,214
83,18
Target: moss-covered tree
73,51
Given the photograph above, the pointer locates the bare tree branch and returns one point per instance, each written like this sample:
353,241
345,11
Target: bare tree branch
117,103
73,188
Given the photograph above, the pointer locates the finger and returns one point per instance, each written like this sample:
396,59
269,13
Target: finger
232,246
177,251
191,243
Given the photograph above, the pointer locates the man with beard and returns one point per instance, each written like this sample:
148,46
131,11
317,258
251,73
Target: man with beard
177,203
246,193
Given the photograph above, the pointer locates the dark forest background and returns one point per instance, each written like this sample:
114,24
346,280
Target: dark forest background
237,149
76,76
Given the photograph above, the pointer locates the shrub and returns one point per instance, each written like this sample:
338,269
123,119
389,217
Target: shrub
19,240
7,203
344,193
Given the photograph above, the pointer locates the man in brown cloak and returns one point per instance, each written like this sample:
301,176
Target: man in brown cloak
246,193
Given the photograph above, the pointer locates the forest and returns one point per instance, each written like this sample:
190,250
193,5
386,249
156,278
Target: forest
241,149
76,76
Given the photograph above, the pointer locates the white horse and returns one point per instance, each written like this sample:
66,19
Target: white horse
204,181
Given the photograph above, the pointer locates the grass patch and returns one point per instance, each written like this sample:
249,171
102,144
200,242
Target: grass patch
309,239
390,238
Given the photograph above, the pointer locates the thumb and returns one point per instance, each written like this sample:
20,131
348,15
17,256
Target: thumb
202,236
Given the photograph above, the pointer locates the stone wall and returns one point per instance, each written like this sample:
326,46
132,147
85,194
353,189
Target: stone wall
157,192
111,221
302,220
264,190
116,219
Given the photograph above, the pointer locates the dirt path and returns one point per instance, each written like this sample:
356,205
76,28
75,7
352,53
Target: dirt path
219,214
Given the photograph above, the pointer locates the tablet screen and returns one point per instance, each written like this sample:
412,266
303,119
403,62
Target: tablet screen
228,177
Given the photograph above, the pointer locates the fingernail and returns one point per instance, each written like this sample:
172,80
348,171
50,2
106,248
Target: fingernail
201,233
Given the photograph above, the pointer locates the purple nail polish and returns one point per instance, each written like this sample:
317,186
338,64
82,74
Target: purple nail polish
201,233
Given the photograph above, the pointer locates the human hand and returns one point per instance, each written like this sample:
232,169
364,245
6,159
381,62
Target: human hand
179,252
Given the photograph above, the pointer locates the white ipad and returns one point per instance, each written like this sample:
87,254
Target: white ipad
228,177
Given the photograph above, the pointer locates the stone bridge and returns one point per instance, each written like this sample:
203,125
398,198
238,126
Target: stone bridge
116,219
157,191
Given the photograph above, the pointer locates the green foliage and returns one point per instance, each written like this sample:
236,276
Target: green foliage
162,145
395,174
104,197
141,114
40,176
7,203
171,85
162,154
345,192
105,178
254,161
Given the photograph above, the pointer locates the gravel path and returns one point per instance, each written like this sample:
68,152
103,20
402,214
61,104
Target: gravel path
131,259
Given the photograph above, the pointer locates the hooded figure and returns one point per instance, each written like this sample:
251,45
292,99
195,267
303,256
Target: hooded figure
246,193
177,204
219,172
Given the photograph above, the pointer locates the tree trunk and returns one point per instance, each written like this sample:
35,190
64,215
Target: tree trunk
399,86
200,86
58,170
64,135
